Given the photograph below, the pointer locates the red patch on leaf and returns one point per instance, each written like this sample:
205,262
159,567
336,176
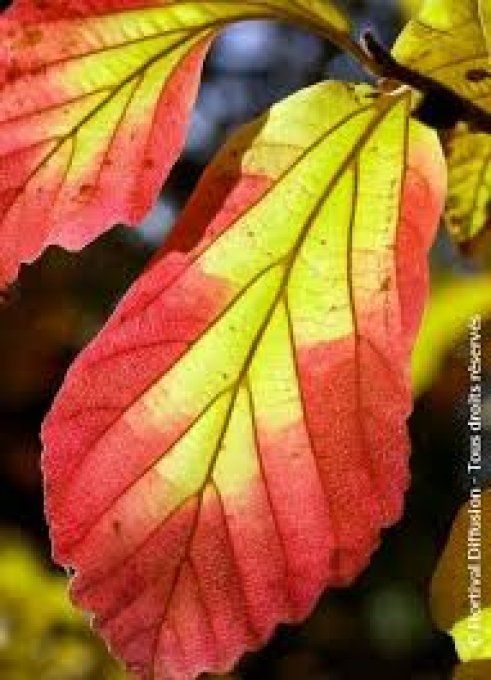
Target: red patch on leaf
85,144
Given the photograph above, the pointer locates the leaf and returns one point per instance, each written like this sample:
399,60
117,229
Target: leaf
473,648
454,301
469,165
468,211
234,439
95,102
450,41
463,580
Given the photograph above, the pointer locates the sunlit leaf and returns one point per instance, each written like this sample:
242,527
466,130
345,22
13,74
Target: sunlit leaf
473,647
453,302
461,587
448,40
468,209
94,108
234,440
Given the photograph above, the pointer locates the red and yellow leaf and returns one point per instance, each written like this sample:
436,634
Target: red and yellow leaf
94,106
234,440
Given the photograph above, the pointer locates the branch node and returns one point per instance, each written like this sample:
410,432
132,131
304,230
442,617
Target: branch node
441,106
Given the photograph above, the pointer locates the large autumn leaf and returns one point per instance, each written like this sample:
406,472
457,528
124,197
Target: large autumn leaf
94,106
234,439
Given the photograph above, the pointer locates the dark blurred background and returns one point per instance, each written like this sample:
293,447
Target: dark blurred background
379,628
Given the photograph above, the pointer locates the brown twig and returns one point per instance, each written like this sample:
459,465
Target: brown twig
455,107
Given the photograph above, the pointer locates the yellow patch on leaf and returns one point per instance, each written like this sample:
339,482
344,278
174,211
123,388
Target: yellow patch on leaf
96,98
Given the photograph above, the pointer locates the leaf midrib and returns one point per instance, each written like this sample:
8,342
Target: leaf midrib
242,377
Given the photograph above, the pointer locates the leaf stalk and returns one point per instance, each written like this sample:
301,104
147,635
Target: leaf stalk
441,107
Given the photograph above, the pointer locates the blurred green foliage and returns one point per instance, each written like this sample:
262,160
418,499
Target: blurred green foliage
454,301
41,634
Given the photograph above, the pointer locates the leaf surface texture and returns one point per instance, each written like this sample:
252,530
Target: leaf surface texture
96,97
235,439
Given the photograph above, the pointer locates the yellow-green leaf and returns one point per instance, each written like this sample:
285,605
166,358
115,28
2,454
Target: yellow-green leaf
472,636
468,210
453,302
449,41
461,587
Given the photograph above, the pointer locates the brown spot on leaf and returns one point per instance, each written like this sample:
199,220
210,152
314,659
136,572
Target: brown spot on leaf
84,193
31,37
476,75
385,285
13,72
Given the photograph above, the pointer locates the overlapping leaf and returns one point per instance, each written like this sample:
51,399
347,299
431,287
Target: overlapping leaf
468,213
461,587
450,40
94,107
234,440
